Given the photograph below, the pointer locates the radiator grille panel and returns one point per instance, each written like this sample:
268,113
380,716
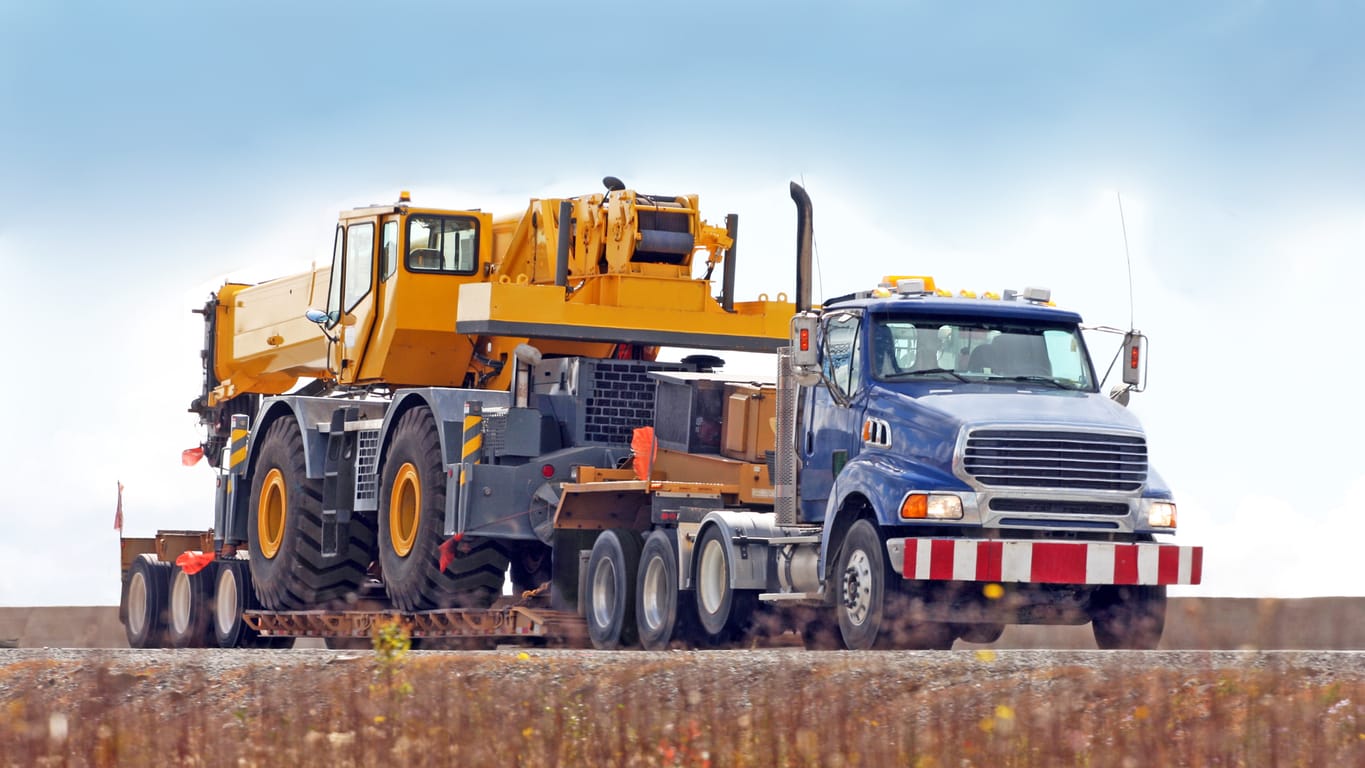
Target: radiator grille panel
1056,459
366,464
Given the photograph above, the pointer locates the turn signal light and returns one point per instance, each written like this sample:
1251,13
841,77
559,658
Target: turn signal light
931,506
1161,514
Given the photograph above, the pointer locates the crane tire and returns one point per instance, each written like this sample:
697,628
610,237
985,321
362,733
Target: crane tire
412,502
284,530
148,587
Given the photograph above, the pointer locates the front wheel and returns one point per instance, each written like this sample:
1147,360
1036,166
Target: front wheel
860,587
612,568
1128,617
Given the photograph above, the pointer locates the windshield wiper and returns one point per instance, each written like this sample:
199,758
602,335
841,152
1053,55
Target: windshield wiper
1036,380
922,371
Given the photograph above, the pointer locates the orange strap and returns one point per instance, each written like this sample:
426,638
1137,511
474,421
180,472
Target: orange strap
194,562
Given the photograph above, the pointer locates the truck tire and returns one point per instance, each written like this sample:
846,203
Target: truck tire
412,508
660,614
612,569
724,613
148,583
284,530
233,595
190,613
1128,617
859,583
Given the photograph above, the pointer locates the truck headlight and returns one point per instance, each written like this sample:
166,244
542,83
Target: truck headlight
931,506
1161,514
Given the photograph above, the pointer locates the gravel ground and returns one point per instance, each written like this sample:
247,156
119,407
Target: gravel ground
235,678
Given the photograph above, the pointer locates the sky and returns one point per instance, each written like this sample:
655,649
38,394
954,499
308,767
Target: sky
148,151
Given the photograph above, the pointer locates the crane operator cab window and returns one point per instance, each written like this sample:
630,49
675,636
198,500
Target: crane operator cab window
448,244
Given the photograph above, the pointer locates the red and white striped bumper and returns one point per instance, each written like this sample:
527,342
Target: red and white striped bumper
1045,562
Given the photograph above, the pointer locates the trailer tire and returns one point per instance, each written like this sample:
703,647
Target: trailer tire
612,569
859,583
1128,617
412,510
284,530
148,584
233,595
190,608
724,613
660,613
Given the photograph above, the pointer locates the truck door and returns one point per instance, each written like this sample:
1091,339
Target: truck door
831,412
351,297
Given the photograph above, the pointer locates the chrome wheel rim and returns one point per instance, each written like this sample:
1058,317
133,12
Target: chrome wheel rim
857,593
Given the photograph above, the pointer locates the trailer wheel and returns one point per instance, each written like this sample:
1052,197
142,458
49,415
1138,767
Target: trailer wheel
412,500
284,531
723,612
860,586
612,567
233,596
148,582
1128,617
191,608
660,614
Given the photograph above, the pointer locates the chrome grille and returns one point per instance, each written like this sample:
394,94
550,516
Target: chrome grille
1025,458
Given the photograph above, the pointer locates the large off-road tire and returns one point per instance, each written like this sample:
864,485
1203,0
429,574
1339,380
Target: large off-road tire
859,583
724,613
233,596
612,567
660,613
190,614
412,502
1128,617
148,586
284,530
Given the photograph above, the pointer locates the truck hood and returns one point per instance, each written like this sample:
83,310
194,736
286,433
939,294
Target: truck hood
1082,410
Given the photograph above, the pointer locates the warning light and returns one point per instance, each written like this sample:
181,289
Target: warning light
805,340
548,471
1134,353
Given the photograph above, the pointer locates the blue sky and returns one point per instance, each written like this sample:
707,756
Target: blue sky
149,150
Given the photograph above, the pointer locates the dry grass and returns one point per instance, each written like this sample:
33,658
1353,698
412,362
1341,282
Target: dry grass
796,708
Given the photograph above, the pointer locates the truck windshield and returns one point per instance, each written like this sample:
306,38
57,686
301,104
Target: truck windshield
905,348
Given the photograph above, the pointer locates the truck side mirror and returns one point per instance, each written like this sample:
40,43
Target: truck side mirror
1135,361
315,316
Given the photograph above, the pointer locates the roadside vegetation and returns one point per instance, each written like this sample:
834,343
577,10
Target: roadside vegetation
732,708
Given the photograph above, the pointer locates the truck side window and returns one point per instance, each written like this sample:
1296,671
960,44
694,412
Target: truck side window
359,263
447,244
388,253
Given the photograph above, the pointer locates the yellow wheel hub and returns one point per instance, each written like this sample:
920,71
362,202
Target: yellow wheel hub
270,513
405,509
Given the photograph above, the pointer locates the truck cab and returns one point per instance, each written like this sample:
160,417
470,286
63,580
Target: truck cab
950,413
971,435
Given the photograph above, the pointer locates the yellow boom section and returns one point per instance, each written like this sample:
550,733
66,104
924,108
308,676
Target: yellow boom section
263,343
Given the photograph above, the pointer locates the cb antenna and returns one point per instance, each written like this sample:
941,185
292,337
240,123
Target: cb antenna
1128,257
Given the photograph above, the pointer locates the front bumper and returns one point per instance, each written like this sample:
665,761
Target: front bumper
1045,562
